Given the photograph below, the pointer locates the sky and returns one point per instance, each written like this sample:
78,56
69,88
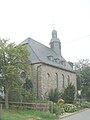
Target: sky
20,19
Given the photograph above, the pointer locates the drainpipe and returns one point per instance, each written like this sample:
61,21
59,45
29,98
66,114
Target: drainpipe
38,80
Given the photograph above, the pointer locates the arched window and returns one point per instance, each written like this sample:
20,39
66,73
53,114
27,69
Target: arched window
56,78
48,75
48,81
68,79
63,82
23,75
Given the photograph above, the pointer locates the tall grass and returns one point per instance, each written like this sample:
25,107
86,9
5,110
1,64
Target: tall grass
26,115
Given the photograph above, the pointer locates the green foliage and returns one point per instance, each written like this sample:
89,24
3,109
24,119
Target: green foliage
27,115
13,60
85,73
15,93
28,94
54,95
23,94
69,93
58,109
83,77
69,108
85,104
28,85
88,94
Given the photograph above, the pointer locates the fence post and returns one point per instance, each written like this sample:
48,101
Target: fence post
0,111
51,106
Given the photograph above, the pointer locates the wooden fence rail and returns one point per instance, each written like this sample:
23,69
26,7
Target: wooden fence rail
32,106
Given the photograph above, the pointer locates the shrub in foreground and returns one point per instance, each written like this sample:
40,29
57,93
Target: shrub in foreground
69,108
69,93
85,104
58,109
54,95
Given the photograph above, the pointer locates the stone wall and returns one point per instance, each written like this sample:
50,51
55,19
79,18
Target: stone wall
46,77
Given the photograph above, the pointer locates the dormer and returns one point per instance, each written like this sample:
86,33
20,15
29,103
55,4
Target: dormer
50,57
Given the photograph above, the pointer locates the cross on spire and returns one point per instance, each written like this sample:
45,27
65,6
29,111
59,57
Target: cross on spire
53,26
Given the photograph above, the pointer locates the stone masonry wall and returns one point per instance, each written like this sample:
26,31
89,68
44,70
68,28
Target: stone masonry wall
46,77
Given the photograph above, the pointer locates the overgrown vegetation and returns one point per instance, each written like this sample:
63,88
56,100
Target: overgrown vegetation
54,95
85,104
82,68
69,94
27,115
59,100
28,94
58,109
13,61
69,108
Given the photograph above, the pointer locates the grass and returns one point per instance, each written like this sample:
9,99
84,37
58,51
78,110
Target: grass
26,115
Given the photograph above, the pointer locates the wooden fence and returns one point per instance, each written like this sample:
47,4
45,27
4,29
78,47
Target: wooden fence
32,106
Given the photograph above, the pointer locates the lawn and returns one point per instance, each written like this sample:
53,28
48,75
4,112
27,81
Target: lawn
26,115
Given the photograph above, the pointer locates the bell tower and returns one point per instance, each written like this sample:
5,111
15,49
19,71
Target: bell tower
55,43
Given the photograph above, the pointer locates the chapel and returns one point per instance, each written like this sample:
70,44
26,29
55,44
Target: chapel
48,66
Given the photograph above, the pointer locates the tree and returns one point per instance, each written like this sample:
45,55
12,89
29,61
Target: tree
69,93
28,94
25,92
81,64
85,82
13,60
83,77
28,85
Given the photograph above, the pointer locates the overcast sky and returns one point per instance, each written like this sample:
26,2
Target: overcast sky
20,19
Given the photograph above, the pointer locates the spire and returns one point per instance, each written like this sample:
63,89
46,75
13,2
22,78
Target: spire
54,34
55,43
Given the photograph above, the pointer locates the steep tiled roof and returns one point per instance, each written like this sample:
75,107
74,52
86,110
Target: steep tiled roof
44,54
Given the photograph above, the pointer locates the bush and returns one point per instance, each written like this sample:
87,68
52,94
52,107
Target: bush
58,109
69,94
88,94
69,108
54,95
85,104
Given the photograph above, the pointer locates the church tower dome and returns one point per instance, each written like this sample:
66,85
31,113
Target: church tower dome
54,34
55,43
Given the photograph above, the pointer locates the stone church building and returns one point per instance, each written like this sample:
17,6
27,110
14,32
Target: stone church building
49,68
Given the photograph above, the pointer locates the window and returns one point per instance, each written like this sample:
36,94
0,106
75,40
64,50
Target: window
52,45
23,75
68,79
63,63
48,81
56,78
56,60
63,84
48,75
